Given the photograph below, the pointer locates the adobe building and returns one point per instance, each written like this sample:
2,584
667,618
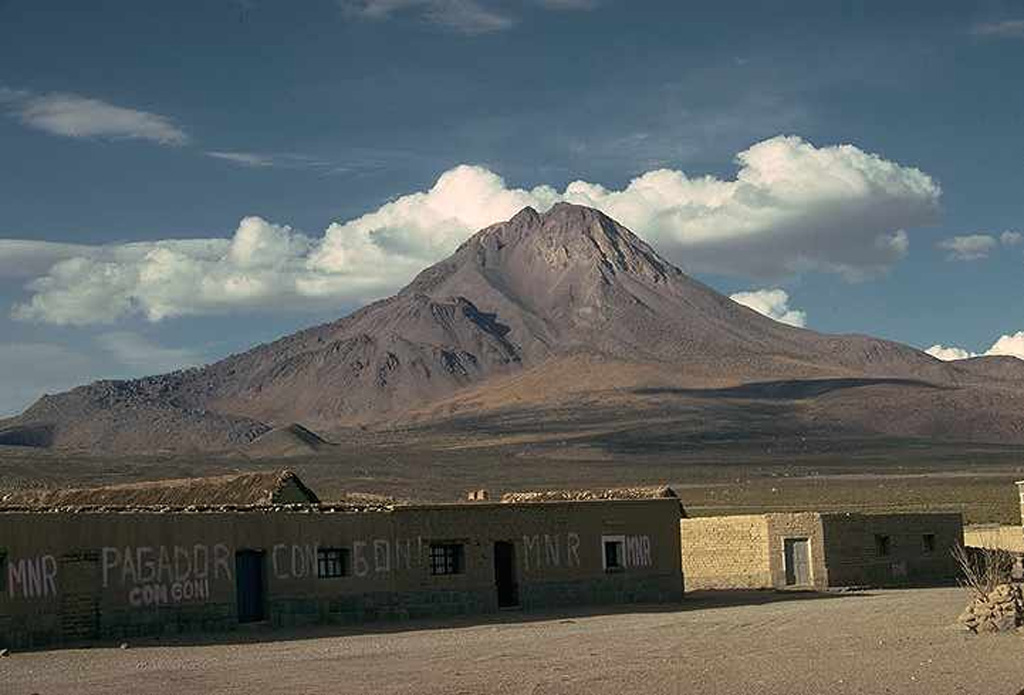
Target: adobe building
88,565
811,550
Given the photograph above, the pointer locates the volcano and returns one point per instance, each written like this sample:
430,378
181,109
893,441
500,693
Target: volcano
564,313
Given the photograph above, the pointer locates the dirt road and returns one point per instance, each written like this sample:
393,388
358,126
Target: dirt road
749,644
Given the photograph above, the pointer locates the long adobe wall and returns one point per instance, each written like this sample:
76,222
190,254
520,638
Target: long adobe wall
748,552
66,577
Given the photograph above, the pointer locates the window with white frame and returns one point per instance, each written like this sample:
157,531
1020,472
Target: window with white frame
613,553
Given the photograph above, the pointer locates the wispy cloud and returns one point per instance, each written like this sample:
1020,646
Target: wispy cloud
568,4
1006,29
288,160
33,368
248,159
469,17
773,303
972,247
976,247
76,116
140,355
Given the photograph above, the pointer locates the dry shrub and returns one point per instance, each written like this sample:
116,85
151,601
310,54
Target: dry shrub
983,569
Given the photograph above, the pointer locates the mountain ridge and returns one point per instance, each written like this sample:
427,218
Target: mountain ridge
519,298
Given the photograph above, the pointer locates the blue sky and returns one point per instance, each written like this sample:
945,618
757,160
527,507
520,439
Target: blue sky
251,127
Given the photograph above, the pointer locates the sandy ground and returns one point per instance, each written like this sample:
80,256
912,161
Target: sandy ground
759,643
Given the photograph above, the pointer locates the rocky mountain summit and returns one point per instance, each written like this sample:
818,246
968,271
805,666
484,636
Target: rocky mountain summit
563,311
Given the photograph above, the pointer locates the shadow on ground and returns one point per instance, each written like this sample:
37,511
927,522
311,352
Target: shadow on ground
265,632
791,389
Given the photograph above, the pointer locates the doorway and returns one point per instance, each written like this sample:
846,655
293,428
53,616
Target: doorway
797,552
505,574
249,585
78,575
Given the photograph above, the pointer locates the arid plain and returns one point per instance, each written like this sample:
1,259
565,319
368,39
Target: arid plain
743,642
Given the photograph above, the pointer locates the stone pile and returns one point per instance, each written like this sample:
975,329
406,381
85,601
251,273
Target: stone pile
1001,610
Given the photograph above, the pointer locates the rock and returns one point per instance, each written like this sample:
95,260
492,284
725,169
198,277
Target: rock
1005,623
4,653
124,645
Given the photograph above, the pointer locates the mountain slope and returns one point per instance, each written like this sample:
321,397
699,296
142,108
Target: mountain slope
505,323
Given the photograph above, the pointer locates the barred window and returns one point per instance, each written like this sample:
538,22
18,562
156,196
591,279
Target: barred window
882,545
447,558
928,542
333,562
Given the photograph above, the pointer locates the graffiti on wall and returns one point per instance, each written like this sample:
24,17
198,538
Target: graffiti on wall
638,551
368,557
551,550
169,574
32,577
293,561
158,575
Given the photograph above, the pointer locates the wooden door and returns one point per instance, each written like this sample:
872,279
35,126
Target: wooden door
250,585
798,561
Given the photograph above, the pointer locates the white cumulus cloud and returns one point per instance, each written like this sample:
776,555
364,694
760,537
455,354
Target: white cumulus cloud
772,303
792,207
948,354
76,116
1010,345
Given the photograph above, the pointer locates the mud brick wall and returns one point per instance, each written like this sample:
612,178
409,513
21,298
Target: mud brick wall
70,576
855,555
747,552
725,552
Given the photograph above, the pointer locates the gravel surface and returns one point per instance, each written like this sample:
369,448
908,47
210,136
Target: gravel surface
742,643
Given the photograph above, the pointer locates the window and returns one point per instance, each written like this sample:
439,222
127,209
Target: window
928,542
882,546
447,558
333,562
613,555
